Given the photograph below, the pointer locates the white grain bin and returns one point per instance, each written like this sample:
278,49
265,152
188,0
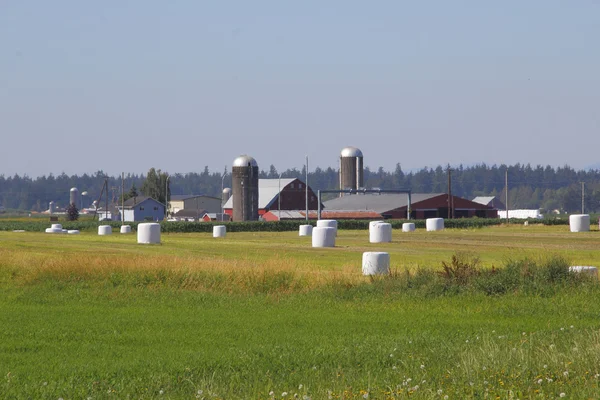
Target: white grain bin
305,230
56,226
327,223
125,229
579,222
53,230
73,232
148,233
434,224
408,227
375,263
219,231
323,236
592,271
104,230
380,233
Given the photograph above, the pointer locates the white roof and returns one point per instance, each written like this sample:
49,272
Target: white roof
268,190
483,199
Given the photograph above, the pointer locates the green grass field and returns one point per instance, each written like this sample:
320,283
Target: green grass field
263,315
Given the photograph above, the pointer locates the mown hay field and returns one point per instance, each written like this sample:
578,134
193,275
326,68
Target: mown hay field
263,315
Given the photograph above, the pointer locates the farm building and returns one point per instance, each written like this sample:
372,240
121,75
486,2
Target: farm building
289,215
187,215
491,201
142,208
424,205
208,217
193,203
292,196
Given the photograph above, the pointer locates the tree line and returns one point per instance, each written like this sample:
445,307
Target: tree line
542,187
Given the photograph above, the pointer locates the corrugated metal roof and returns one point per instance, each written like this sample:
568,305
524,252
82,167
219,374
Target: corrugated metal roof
181,197
380,203
312,214
268,190
483,199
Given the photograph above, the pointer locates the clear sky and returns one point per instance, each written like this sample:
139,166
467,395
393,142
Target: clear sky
125,85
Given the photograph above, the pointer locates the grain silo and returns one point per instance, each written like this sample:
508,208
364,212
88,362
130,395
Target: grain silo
245,189
351,168
74,196
225,195
51,208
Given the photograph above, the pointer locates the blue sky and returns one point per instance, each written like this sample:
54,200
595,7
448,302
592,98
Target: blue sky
129,85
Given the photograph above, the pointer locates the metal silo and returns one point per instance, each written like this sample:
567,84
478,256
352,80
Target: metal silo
74,196
245,189
225,195
51,207
351,168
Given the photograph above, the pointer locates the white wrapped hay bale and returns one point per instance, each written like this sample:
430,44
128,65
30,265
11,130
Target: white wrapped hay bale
305,230
125,229
104,230
408,227
148,233
373,223
73,232
434,224
375,263
578,269
53,230
579,222
380,233
64,231
56,226
328,223
323,236
219,231
19,231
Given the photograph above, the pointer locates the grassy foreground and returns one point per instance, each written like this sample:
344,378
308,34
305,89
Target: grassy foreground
263,315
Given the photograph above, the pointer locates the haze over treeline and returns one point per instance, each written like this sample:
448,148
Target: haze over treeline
542,187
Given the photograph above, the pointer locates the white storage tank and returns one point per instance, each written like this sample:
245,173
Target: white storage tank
434,224
375,263
579,222
323,236
148,233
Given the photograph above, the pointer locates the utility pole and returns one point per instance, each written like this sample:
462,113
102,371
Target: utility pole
450,210
583,197
506,194
306,189
122,197
166,197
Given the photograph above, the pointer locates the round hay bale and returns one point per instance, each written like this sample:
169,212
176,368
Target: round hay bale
380,233
219,231
73,232
323,236
104,230
56,226
375,263
434,224
408,227
579,222
328,223
592,271
125,229
373,223
305,230
148,233
53,230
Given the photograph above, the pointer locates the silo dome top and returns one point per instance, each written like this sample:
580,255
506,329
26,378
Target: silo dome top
244,161
351,152
74,189
227,190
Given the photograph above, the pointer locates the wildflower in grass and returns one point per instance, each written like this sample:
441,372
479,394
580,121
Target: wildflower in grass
271,393
314,367
467,341
305,397
200,391
572,327
562,395
540,381
485,383
284,394
394,367
45,384
391,355
484,368
549,380
545,366
597,376
446,397
300,386
562,329
422,366
161,392
440,391
566,373
366,396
